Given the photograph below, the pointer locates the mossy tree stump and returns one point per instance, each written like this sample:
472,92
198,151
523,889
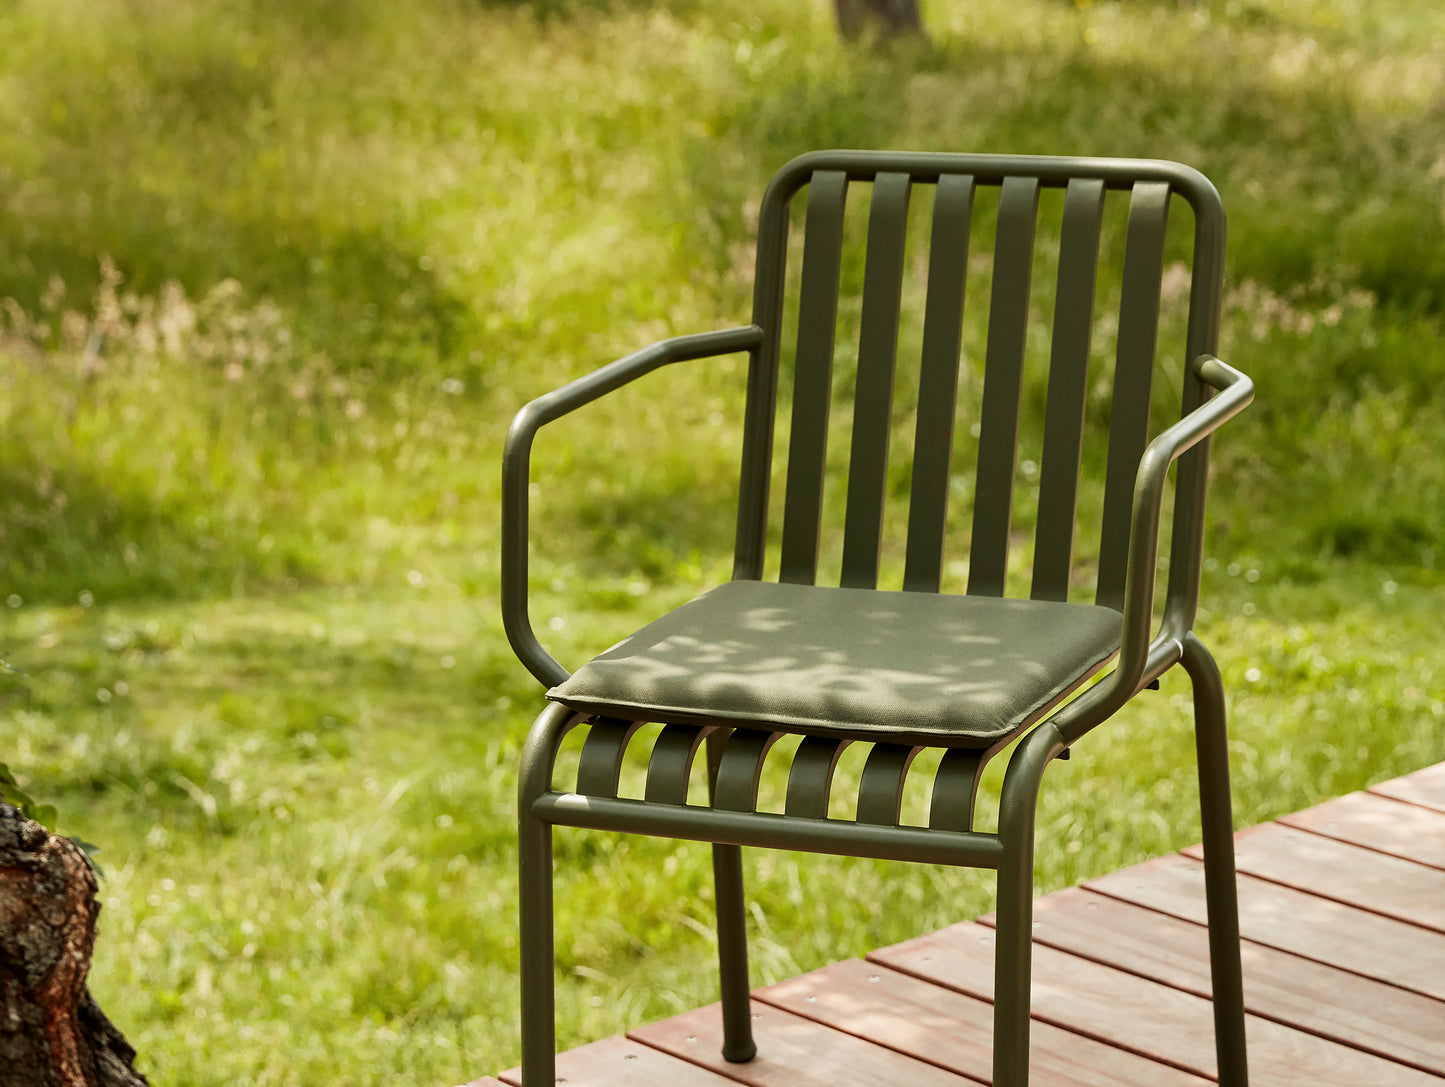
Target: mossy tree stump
52,1033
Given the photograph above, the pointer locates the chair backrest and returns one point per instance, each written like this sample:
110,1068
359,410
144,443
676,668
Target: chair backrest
1102,291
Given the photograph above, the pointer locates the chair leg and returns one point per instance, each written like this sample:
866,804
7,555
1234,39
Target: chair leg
1013,969
1220,890
732,948
1013,936
732,929
534,869
539,1027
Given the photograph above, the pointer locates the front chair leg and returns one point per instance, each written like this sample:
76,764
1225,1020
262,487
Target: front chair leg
1013,936
1012,968
1220,888
539,1028
534,893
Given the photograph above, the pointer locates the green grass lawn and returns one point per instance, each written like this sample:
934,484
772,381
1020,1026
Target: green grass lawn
275,280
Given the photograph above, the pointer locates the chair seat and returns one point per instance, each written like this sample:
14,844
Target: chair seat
903,667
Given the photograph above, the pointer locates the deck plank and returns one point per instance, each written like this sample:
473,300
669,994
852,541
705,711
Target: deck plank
953,1030
792,1052
1401,1025
1378,822
621,1062
1342,872
1105,1004
1353,940
1424,787
1142,1015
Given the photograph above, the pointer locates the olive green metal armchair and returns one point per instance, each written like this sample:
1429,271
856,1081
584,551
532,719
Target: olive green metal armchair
773,652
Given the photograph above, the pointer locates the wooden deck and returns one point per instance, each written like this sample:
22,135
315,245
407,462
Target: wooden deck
1342,909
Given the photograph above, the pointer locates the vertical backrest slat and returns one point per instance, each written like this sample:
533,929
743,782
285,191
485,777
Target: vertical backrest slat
813,376
1133,380
873,393
1068,378
938,382
1007,329
1206,287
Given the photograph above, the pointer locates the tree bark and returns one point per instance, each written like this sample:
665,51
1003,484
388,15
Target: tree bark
52,1033
886,18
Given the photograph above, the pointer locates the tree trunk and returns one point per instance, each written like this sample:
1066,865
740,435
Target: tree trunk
52,1034
886,18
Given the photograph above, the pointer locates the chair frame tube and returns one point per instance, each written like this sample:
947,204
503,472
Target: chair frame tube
516,467
963,849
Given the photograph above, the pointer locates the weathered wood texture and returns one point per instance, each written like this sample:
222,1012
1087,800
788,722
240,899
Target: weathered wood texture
1376,822
1345,873
1286,988
1424,787
620,1062
1315,928
913,1016
1342,913
792,1052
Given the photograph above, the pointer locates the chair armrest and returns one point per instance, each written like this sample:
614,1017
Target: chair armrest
1139,659
516,463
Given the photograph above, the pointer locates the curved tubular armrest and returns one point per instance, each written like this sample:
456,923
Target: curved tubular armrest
1140,660
516,461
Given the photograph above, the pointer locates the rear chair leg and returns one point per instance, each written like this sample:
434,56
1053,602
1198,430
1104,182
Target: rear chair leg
732,948
732,932
1220,890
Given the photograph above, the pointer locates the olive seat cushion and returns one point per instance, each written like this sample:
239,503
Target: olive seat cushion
902,667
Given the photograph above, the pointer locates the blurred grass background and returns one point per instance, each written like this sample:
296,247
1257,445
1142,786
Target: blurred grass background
275,278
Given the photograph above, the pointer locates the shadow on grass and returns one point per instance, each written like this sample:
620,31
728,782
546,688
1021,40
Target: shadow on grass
70,533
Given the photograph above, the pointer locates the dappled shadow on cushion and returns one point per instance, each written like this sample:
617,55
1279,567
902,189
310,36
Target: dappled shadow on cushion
910,667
